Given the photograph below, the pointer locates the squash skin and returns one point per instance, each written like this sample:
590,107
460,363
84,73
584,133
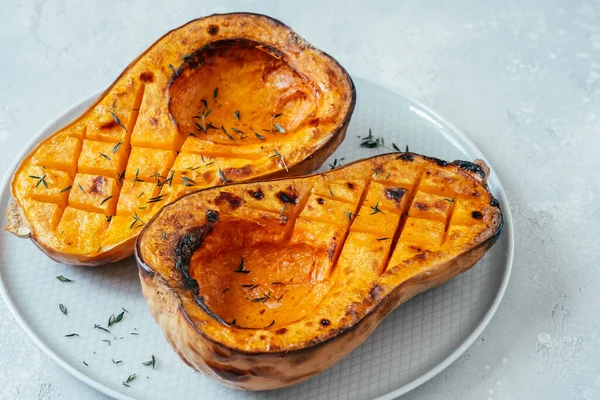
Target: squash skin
303,151
244,362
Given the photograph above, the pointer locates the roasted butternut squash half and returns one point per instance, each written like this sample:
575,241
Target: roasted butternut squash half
222,99
263,285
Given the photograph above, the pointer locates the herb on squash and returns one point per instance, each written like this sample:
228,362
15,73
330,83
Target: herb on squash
241,269
115,117
263,298
187,181
40,180
377,171
228,135
105,156
136,219
376,209
350,214
155,199
282,160
106,199
66,189
136,179
204,162
117,146
222,176
236,113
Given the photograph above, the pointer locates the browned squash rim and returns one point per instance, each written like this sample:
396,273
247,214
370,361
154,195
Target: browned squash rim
146,271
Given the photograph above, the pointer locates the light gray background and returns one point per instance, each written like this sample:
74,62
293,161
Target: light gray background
521,78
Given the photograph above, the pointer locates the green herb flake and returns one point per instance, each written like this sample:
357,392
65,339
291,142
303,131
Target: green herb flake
117,120
187,181
371,141
116,148
376,209
263,298
96,326
237,114
62,308
241,269
136,219
119,317
277,154
66,189
63,279
350,214
106,199
222,176
41,180
151,362
130,377
336,163
155,199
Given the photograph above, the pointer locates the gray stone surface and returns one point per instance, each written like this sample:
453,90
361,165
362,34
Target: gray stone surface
522,78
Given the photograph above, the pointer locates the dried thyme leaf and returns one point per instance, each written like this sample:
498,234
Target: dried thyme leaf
151,362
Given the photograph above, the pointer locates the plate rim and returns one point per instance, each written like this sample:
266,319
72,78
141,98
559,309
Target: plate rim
467,144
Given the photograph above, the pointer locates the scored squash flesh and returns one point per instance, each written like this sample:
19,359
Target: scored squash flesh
222,99
262,285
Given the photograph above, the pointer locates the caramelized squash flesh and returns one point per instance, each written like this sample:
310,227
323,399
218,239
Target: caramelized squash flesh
222,99
262,285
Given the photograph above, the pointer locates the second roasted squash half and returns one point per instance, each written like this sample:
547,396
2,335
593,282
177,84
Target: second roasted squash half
222,99
262,285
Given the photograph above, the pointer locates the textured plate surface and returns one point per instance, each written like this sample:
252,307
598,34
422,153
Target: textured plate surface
410,346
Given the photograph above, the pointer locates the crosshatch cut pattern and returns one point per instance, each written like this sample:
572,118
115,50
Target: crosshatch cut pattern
408,344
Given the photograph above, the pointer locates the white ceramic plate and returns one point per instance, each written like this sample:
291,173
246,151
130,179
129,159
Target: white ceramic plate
413,344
